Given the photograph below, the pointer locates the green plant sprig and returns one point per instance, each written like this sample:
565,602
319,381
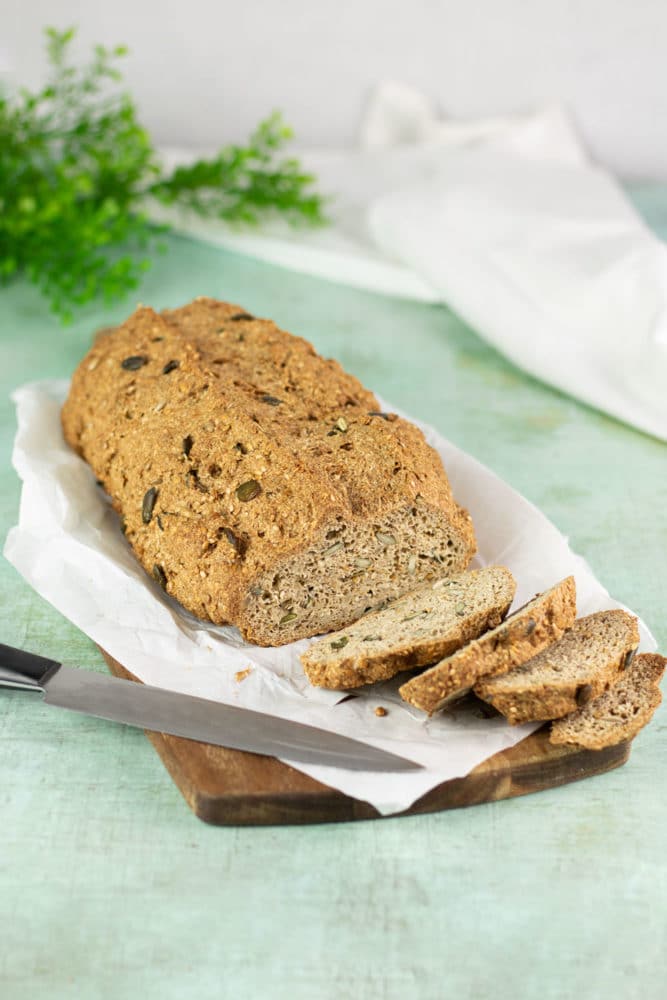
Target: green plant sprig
77,171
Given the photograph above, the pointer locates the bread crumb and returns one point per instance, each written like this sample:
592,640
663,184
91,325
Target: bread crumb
381,711
241,675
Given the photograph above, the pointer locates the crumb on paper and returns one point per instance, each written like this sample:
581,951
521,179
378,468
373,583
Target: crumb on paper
381,711
241,675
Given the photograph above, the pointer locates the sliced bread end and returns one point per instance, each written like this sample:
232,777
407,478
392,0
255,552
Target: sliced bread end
619,713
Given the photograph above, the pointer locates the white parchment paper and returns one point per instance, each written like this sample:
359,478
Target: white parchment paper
68,546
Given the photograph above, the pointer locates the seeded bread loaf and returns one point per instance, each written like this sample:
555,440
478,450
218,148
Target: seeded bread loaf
620,712
569,673
258,482
416,629
528,630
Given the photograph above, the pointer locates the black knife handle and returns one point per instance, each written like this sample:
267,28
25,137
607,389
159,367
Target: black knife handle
19,668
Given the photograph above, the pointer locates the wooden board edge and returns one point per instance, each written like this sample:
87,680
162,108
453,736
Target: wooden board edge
323,804
499,777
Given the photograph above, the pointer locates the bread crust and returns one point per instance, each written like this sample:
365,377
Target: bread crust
257,451
527,631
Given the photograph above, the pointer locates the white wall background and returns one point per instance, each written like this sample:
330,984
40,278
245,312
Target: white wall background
205,71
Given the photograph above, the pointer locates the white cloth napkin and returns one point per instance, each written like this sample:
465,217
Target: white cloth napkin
506,221
68,546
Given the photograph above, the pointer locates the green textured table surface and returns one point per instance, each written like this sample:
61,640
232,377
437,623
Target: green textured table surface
109,886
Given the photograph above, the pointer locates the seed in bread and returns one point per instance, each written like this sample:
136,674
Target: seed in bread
260,485
568,674
523,634
620,712
416,629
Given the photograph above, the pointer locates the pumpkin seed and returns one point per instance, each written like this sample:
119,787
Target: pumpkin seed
192,479
629,657
362,563
460,609
187,445
391,417
583,694
271,400
341,424
339,643
159,576
134,362
531,625
248,491
234,541
371,638
385,539
441,583
289,617
332,548
148,503
171,366
237,317
123,526
241,448
412,565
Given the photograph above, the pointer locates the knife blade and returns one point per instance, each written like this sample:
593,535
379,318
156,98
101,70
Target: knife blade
163,711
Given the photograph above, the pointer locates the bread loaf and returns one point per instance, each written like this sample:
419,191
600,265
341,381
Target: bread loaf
258,482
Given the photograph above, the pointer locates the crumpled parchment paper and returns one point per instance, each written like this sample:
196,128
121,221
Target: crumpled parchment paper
68,546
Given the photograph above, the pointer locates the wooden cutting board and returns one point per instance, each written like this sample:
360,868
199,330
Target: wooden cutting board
233,788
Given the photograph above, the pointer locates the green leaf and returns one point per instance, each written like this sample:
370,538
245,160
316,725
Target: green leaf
76,170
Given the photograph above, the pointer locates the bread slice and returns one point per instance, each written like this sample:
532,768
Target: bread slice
567,674
528,630
418,628
620,712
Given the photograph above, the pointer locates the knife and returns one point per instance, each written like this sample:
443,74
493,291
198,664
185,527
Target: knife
194,718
